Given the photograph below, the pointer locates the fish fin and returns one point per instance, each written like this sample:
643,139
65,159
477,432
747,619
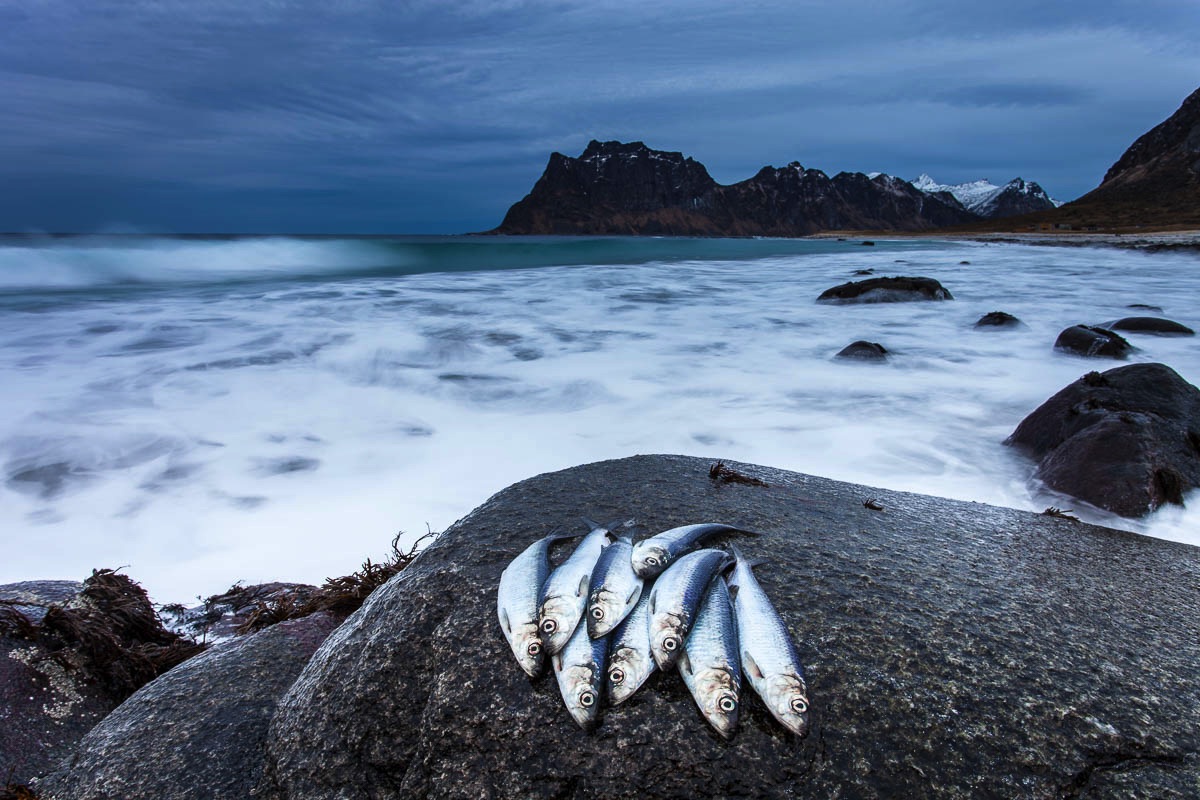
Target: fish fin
685,663
653,598
634,595
559,535
556,660
733,589
583,585
591,523
751,666
750,563
504,621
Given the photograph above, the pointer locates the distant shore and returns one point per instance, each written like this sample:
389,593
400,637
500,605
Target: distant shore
1151,241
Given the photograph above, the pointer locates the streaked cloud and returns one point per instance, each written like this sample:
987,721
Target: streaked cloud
428,115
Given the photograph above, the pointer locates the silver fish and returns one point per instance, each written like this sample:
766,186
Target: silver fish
710,664
768,656
517,602
675,599
579,668
564,595
629,659
614,589
652,556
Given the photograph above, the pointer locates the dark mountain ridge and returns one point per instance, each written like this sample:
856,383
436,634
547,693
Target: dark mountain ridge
629,188
1154,184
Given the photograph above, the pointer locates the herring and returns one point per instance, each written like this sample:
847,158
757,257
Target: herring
517,602
675,600
630,661
652,556
710,664
768,656
579,669
613,590
564,595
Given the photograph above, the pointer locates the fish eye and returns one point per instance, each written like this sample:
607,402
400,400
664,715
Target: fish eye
798,705
616,675
534,649
670,643
727,704
587,699
652,561
549,625
597,613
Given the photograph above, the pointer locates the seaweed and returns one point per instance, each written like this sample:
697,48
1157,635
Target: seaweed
723,474
17,791
340,596
109,633
1060,514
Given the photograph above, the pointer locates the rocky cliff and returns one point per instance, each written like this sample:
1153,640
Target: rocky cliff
628,188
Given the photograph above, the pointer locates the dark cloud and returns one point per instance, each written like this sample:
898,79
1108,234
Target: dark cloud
366,115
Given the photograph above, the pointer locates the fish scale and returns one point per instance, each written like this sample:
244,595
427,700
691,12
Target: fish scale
710,665
518,598
769,658
675,599
614,588
564,595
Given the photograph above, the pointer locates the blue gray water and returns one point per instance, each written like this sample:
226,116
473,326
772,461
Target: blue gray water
205,411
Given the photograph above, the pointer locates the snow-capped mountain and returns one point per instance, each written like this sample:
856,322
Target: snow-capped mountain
990,201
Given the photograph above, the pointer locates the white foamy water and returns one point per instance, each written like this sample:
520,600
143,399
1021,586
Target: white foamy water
207,412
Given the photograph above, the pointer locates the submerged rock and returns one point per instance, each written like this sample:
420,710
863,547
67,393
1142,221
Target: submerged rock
863,350
1126,440
197,731
953,650
886,290
1151,325
998,319
1092,341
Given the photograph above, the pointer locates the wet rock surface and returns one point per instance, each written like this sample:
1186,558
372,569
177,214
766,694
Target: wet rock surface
886,290
999,319
1093,341
196,731
44,708
1152,325
1126,440
863,350
953,650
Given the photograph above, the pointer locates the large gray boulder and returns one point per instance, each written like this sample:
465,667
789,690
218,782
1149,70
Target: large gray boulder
197,730
953,650
1126,440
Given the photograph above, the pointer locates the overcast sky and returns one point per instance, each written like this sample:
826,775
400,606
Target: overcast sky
433,117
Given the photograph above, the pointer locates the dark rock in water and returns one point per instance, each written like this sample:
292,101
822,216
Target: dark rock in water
1151,325
998,319
864,272
1092,341
1126,440
886,290
197,731
867,244
952,650
1145,307
864,351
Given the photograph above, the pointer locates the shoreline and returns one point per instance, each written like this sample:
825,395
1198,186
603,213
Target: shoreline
1150,241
